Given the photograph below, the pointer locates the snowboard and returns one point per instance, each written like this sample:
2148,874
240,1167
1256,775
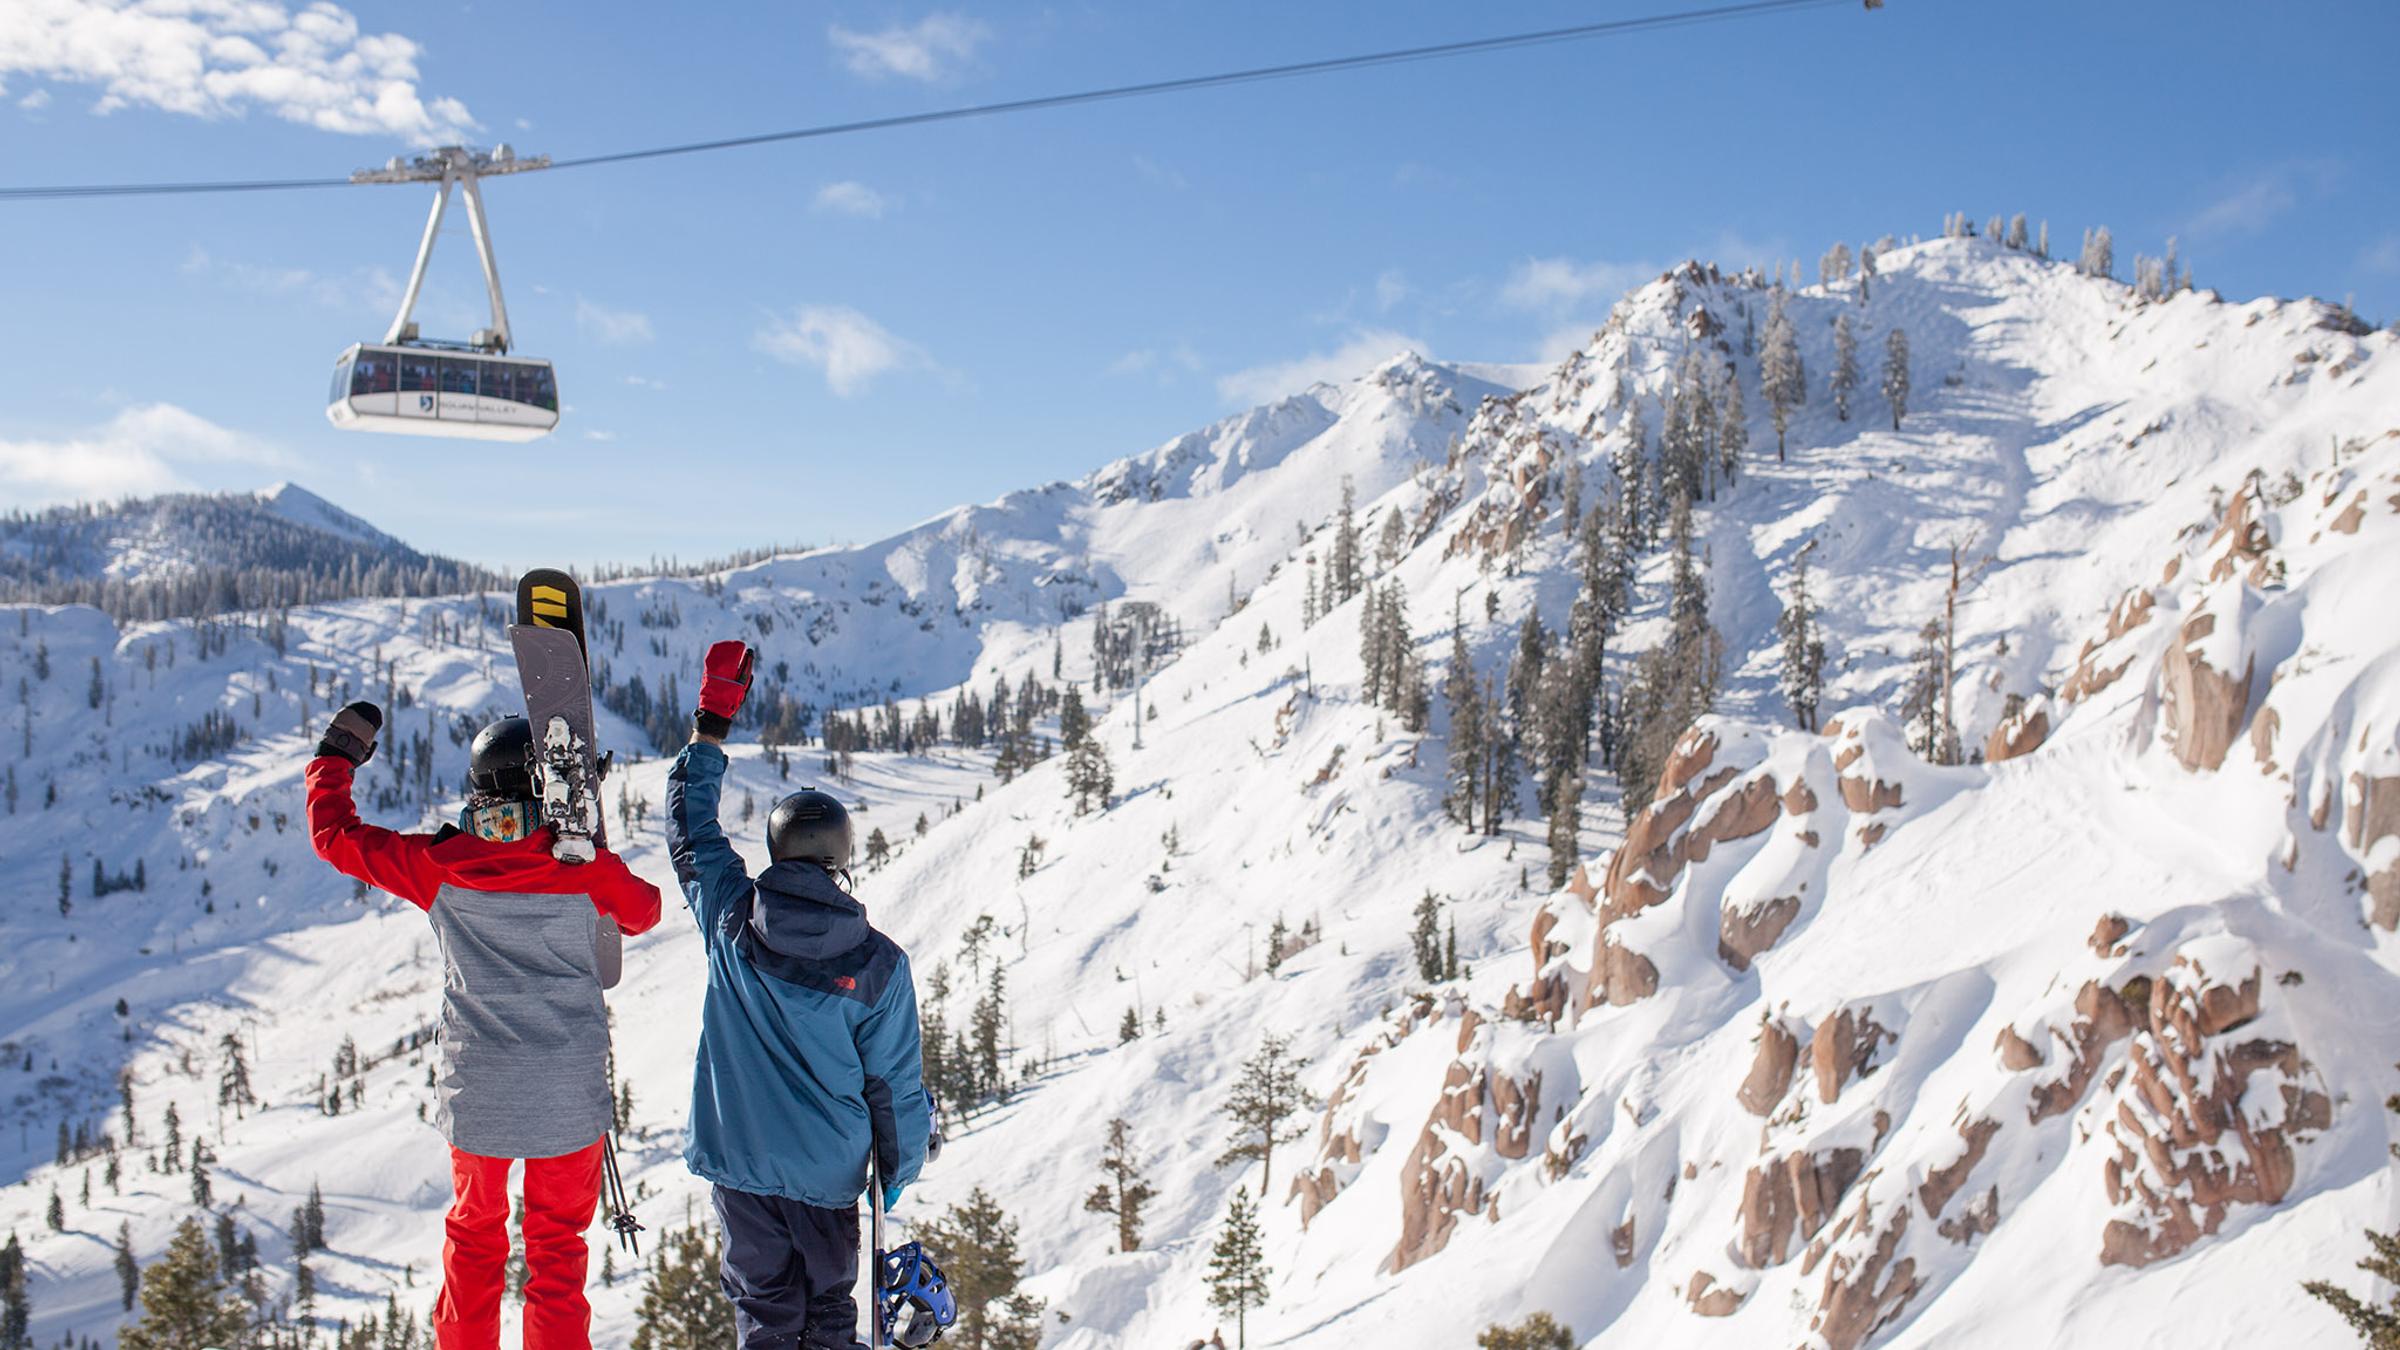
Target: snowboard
553,671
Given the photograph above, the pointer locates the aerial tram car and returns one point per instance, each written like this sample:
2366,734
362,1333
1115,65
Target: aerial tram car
415,386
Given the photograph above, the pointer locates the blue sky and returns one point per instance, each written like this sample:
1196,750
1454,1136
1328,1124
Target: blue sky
830,340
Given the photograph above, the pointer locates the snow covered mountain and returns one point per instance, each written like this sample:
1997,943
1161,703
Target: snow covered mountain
1828,1045
194,555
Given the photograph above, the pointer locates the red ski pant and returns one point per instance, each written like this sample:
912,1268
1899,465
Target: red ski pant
560,1196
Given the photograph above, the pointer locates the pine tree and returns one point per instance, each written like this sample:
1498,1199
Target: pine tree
2016,232
1090,781
1237,1267
1895,374
1733,427
1125,1192
174,1144
56,1213
1392,542
1129,1027
1674,682
978,1243
1346,570
233,1080
1845,367
16,1311
1525,673
1781,376
1465,746
2099,253
184,1302
1921,703
1276,937
683,1307
1425,940
2378,1325
1540,1331
1803,648
1073,722
1269,1093
129,1271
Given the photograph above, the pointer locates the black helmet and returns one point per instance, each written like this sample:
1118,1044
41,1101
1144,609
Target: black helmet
500,764
810,826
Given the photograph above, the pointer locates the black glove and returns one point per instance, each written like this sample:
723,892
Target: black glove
352,735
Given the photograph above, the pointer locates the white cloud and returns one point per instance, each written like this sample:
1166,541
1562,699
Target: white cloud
364,289
1561,283
1166,364
645,382
1365,349
615,326
1153,171
850,348
2246,209
851,199
140,451
930,49
35,101
221,58
2249,205
2382,257
1390,289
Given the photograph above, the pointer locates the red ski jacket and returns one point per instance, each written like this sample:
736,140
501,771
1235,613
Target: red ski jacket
415,867
524,1032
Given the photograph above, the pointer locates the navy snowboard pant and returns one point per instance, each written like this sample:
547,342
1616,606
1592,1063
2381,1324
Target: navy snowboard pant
789,1268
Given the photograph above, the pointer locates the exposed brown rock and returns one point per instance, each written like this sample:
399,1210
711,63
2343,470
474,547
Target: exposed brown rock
1844,1048
1770,1070
1981,1215
1620,1242
1799,799
1943,1182
2016,1053
1315,1191
2100,1021
1870,835
2107,933
2017,736
2263,730
1709,1299
2131,611
1868,795
2241,537
1792,1194
2205,706
1742,935
2352,516
1622,976
1434,1190
1862,1295
2371,815
2192,1151
1749,810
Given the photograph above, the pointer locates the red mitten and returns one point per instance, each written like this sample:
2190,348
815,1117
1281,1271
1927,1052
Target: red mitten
725,681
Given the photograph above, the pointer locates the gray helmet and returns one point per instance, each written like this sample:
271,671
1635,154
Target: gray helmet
809,826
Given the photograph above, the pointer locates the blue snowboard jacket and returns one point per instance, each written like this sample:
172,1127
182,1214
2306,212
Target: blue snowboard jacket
808,1036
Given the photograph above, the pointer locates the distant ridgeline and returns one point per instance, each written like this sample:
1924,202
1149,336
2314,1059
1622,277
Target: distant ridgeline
192,556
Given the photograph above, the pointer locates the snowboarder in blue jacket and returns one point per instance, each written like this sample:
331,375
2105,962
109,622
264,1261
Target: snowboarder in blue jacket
809,1054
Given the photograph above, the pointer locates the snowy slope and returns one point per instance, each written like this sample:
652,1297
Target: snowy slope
1955,1130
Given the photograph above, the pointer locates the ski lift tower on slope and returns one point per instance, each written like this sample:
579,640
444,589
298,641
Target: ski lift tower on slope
428,387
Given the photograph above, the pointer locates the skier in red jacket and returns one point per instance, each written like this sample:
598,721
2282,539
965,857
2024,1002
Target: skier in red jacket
524,1033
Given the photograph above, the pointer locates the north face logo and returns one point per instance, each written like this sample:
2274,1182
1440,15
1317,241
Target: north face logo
844,983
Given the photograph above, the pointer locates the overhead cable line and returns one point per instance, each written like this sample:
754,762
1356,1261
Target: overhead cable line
1436,51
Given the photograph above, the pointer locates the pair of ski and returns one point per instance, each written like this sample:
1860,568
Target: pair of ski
554,670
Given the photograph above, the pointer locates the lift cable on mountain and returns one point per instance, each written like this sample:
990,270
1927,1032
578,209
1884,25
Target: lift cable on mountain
480,389
1749,9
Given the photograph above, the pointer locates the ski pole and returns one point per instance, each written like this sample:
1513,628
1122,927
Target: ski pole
620,1212
875,1336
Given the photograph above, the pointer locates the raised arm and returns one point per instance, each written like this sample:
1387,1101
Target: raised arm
710,872
394,862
